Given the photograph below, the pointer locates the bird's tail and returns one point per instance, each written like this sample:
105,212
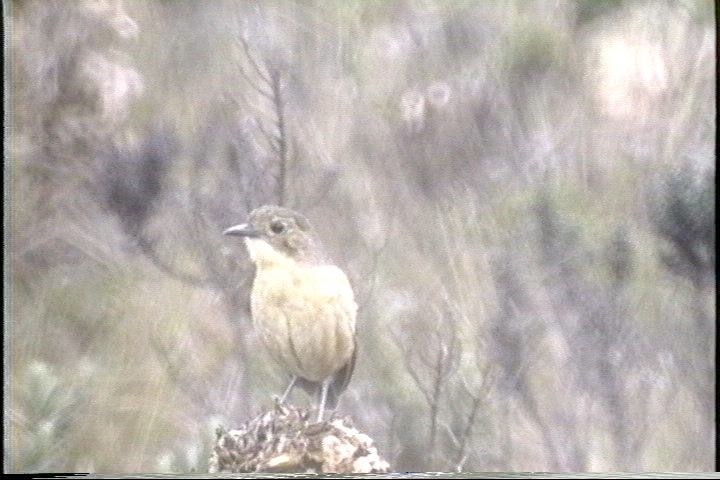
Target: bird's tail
340,381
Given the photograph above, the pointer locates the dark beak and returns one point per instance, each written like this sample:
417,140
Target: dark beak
242,230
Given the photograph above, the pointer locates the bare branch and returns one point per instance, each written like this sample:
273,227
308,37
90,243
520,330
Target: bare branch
255,86
409,367
376,261
282,137
252,61
272,140
469,423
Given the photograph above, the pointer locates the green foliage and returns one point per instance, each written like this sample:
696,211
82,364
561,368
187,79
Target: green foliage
684,216
534,49
45,404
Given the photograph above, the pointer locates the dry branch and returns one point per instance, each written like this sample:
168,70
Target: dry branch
285,439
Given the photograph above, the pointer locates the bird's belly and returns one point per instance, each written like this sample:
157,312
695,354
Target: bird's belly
307,331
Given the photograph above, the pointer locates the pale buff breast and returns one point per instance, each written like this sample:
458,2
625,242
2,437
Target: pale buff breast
306,316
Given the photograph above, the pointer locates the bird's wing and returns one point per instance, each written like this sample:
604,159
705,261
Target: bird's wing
334,283
339,383
339,287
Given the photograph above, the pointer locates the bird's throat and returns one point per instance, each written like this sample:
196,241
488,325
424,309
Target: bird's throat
265,255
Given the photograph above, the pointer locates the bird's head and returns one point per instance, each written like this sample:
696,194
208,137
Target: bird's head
274,235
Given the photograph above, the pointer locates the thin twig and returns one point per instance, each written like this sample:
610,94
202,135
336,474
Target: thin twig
250,57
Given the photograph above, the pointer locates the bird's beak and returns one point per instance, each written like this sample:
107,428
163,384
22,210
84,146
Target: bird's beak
242,230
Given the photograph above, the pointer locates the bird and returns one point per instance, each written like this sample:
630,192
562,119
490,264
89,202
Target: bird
302,305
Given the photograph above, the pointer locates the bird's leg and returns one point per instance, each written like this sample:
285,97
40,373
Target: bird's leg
323,397
289,388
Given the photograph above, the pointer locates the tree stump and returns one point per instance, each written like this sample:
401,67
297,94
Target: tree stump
285,439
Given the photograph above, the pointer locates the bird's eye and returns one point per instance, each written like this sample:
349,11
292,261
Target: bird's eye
277,227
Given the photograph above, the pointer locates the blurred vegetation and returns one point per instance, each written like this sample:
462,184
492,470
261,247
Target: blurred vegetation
522,193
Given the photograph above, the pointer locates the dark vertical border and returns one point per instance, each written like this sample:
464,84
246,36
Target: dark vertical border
717,44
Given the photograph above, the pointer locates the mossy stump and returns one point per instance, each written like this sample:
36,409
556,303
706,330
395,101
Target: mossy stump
286,439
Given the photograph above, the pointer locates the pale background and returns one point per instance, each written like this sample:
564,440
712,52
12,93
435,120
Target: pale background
522,193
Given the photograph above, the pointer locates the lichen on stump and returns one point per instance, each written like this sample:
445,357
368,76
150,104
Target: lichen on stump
286,439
